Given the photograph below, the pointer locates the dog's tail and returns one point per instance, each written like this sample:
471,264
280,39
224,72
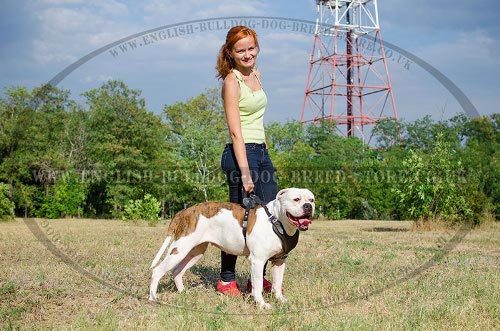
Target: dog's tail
158,256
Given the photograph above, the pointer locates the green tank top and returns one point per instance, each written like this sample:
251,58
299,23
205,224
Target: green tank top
252,107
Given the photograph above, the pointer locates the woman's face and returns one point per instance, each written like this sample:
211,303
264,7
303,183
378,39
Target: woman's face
244,53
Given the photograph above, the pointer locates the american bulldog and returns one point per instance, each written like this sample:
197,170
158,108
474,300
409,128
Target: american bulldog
220,224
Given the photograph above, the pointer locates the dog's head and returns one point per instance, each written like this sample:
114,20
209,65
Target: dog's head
295,206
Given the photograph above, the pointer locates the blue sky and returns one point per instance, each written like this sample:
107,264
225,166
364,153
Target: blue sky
40,38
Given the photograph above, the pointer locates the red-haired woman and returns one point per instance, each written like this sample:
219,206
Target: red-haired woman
245,160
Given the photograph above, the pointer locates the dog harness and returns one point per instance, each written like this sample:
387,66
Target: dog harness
288,243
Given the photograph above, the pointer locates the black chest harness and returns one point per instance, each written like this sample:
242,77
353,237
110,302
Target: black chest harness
251,201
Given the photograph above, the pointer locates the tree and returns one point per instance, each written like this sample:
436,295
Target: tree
32,143
197,132
480,158
282,137
387,134
125,144
6,205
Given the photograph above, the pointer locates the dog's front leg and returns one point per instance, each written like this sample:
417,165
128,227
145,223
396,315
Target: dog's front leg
257,275
278,271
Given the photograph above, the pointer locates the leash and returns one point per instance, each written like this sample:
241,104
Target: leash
250,201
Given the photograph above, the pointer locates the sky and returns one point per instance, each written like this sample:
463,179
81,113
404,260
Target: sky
40,38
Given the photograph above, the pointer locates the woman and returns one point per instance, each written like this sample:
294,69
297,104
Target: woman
245,161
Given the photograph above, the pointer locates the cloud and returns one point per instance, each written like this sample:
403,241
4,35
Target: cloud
108,7
471,51
61,2
229,8
162,12
111,7
431,16
59,19
70,29
66,33
91,79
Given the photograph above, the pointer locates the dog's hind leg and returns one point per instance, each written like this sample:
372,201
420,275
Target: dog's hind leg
190,260
174,257
158,273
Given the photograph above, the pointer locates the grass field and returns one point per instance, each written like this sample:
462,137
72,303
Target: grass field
343,275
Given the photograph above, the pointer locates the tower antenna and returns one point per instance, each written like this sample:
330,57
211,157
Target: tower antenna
348,80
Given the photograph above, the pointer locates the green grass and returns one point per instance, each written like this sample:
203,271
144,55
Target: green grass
345,275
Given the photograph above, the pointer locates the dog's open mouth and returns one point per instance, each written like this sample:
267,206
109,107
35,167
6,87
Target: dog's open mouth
301,222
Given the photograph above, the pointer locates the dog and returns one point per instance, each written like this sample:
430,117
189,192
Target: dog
220,224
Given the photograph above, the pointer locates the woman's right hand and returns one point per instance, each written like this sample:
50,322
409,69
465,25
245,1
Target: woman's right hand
247,182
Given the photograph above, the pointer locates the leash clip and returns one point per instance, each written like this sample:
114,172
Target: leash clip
249,201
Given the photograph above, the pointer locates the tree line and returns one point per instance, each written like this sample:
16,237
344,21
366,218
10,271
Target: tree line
111,157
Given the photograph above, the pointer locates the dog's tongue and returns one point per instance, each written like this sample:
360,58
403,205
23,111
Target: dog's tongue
304,222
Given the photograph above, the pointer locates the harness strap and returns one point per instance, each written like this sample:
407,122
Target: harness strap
288,242
248,202
245,222
260,202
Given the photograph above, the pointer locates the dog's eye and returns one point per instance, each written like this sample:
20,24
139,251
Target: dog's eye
296,199
311,200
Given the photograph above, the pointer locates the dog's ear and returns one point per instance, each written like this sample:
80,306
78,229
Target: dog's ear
281,193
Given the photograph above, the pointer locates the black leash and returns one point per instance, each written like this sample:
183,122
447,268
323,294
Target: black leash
250,201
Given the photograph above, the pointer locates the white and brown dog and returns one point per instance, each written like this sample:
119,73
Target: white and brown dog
220,224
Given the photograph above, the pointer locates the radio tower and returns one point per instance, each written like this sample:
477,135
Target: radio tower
348,81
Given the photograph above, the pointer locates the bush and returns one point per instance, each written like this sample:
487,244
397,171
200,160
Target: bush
6,206
65,198
147,209
482,208
433,186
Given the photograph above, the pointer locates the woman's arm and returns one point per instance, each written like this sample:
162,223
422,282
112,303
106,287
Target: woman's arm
231,95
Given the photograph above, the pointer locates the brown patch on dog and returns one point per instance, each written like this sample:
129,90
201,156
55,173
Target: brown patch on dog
174,251
210,209
239,214
185,221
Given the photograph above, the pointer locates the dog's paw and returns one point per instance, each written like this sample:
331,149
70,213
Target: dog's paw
281,299
265,305
152,297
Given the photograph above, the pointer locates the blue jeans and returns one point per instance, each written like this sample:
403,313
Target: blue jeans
265,187
261,169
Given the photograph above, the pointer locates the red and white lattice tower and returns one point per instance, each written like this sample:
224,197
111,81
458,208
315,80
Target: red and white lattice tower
348,80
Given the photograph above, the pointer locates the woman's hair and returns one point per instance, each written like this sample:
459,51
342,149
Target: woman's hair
224,61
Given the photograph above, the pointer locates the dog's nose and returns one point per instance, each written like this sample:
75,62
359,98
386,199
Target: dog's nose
307,207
